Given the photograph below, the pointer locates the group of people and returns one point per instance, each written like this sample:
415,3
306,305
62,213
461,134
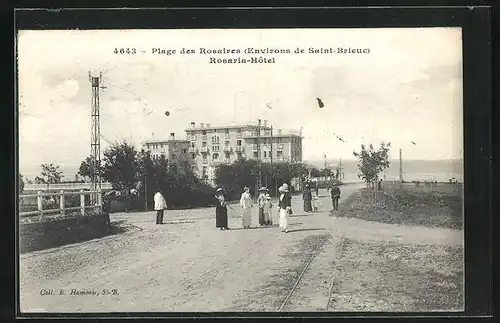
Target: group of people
264,205
311,203
311,198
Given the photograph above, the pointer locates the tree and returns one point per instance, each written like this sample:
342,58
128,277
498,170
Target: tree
119,166
242,172
371,162
86,166
325,172
315,172
50,174
21,184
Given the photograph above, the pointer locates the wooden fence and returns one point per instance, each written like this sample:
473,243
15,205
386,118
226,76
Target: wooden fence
95,204
62,186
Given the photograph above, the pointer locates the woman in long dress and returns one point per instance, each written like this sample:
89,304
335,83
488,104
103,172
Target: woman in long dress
221,210
246,204
268,207
285,204
307,196
260,202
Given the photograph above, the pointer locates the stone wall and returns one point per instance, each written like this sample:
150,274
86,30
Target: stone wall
58,232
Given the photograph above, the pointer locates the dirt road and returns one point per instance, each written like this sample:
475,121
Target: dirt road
189,265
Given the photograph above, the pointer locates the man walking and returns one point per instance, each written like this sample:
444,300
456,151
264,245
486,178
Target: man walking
160,206
335,194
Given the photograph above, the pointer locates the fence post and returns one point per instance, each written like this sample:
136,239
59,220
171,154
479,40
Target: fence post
82,202
62,202
99,199
39,200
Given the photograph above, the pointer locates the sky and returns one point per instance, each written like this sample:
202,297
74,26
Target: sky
408,88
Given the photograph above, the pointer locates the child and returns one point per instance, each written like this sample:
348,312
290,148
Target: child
268,206
315,202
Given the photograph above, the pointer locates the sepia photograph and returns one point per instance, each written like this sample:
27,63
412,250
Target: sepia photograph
240,170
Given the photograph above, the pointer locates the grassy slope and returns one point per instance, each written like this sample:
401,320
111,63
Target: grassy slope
386,276
439,206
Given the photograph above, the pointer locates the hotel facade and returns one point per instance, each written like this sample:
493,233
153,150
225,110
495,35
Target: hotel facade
207,146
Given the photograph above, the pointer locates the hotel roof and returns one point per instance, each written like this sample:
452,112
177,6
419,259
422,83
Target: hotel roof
240,126
164,141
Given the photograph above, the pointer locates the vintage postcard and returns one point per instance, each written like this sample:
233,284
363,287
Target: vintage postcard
241,170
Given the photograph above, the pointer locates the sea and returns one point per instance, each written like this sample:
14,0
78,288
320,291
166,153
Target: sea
413,170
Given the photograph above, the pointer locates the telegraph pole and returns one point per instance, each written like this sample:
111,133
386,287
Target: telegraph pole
259,181
401,166
272,171
95,140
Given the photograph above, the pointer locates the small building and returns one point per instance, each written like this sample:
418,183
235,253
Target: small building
174,150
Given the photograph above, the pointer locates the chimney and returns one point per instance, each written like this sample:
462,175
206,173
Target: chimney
193,124
172,136
202,125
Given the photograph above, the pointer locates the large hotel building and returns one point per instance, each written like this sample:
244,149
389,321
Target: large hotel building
207,146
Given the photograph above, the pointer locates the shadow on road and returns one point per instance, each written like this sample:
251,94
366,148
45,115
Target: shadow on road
299,215
121,226
178,222
313,229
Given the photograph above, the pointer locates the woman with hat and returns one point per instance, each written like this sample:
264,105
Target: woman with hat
268,207
220,210
285,204
246,204
307,197
260,202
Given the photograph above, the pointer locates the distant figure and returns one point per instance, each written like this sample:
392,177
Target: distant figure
160,206
285,204
379,185
315,202
246,204
221,210
317,188
307,197
268,207
335,194
260,202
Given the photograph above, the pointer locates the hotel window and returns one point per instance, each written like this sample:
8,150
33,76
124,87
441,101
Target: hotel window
204,170
215,148
227,133
227,143
184,150
193,156
255,155
192,145
265,154
204,132
238,143
204,144
279,153
215,157
215,139
174,156
228,155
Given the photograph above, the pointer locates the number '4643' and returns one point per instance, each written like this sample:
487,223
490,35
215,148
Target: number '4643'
124,51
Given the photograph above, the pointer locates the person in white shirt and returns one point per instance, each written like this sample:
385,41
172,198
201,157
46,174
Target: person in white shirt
246,204
160,206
